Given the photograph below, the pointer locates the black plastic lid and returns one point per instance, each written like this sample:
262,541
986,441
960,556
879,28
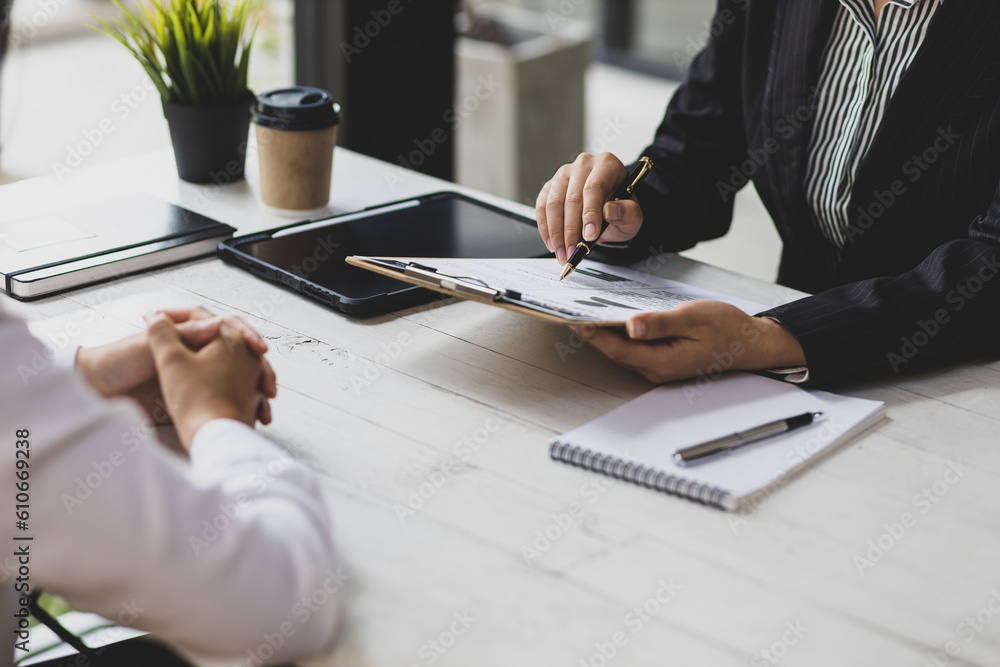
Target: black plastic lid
296,109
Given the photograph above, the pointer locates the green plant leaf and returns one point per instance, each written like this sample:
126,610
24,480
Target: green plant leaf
196,52
194,22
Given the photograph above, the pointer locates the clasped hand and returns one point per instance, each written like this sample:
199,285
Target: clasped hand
188,368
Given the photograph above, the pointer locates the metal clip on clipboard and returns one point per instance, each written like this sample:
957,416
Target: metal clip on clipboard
475,287
459,284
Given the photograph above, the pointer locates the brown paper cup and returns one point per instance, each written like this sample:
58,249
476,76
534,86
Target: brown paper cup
296,167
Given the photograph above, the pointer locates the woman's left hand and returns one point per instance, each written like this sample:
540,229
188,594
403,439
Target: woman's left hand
689,340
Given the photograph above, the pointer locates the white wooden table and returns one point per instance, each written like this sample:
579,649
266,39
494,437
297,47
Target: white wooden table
447,412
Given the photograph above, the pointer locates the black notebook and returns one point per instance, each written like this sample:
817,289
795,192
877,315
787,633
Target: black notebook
60,251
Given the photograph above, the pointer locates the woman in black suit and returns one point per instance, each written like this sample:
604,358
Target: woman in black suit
871,131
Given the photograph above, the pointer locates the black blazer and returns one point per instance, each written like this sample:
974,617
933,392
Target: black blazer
918,282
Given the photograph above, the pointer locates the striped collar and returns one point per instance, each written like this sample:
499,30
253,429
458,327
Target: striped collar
863,12
905,4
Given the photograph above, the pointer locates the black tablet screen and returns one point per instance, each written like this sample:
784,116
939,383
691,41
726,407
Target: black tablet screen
447,226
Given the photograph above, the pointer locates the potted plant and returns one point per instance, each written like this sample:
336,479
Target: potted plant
197,53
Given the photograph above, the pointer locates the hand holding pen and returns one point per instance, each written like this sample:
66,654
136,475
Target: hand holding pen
624,191
577,202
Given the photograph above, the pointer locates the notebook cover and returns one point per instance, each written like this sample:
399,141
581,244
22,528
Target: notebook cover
66,236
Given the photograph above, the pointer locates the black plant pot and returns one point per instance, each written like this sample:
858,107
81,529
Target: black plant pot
210,143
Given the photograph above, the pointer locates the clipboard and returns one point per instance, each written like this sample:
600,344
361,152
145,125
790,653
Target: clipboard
597,294
473,289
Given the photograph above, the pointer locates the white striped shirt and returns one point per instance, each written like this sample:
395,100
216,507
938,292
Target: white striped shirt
863,63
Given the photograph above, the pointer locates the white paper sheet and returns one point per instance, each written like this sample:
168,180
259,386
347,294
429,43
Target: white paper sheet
594,291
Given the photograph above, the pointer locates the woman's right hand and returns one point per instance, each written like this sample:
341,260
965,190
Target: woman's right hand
574,203
223,379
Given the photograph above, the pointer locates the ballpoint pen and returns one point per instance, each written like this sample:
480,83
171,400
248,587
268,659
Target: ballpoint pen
728,443
623,191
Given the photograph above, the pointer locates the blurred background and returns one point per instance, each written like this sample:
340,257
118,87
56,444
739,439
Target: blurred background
516,88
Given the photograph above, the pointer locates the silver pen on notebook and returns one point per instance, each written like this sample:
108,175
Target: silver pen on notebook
728,443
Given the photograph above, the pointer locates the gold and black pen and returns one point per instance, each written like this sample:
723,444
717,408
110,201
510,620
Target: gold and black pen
623,191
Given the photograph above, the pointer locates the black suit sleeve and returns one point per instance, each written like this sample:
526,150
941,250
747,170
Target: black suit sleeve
946,310
700,139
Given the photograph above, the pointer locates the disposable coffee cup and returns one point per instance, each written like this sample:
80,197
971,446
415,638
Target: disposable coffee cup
296,133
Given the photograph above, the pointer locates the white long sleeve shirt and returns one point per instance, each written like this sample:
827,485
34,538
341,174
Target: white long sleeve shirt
227,557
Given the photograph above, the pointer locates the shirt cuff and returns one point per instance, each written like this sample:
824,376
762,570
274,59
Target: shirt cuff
794,374
224,442
65,359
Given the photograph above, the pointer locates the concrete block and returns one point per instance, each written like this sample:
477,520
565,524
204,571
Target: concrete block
520,100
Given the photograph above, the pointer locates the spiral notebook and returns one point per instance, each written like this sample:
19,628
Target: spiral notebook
636,442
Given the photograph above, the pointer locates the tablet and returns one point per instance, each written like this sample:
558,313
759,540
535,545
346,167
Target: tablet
309,257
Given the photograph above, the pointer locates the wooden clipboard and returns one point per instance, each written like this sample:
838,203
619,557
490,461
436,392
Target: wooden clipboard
500,297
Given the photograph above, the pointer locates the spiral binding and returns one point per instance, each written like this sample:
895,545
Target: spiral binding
634,473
